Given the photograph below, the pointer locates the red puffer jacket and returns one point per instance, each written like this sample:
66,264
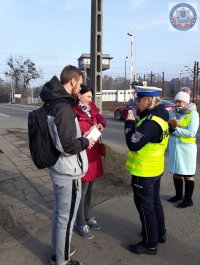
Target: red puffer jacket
95,168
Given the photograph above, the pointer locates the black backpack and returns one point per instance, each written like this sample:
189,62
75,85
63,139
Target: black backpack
43,152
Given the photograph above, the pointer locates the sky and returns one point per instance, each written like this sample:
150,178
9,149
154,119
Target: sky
54,34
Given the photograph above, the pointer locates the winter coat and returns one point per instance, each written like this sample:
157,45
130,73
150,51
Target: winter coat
95,167
183,156
65,132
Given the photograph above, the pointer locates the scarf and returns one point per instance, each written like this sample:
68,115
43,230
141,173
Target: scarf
85,109
179,112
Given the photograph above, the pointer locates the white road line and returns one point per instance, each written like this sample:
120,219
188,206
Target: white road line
15,108
4,115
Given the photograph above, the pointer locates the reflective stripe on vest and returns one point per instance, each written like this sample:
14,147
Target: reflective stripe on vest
149,160
183,123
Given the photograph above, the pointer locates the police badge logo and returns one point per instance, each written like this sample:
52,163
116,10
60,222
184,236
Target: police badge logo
183,17
136,137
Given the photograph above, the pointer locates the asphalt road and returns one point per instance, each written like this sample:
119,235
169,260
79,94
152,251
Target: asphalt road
15,116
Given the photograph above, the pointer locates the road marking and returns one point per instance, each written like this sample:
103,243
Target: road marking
4,115
15,108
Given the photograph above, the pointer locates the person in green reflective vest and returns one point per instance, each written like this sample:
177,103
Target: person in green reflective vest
147,141
184,124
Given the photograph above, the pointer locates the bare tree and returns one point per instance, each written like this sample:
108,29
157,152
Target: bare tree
21,71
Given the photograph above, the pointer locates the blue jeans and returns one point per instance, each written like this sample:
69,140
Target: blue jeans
67,197
147,201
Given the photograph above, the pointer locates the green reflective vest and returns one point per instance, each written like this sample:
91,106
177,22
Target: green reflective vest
149,160
183,123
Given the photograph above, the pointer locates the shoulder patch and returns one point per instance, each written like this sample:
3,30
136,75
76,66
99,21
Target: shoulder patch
136,137
127,130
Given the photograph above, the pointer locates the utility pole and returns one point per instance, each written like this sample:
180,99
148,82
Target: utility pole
180,79
163,84
194,73
194,82
197,85
96,51
125,80
151,77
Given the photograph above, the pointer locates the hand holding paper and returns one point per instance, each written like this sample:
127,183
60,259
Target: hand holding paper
94,134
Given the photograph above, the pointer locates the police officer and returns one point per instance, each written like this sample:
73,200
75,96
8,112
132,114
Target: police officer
147,141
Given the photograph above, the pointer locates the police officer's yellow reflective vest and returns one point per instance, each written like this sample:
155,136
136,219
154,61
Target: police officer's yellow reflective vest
149,161
183,123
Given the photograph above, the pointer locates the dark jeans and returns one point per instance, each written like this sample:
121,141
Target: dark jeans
83,213
148,204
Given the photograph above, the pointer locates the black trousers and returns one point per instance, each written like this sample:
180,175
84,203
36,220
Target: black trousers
147,201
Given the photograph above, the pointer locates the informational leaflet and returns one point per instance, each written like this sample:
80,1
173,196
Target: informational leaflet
94,134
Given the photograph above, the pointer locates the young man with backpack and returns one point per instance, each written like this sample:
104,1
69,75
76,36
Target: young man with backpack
59,97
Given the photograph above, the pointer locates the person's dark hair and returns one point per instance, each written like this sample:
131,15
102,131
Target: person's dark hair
70,72
84,89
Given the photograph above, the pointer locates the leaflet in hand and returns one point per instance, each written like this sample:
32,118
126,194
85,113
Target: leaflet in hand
94,134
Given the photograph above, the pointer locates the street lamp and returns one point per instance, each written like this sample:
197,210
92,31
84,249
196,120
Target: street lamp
125,80
180,78
133,74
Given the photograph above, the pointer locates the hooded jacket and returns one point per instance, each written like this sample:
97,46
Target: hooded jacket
65,132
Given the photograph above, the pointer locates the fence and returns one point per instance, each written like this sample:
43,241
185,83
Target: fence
115,95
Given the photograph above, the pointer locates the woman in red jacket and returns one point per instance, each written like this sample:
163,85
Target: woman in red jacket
88,116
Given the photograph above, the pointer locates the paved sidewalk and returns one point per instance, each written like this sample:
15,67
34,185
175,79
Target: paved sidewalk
25,218
25,196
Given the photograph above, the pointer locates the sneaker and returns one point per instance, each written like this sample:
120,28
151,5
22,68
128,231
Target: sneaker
185,204
53,257
141,249
175,198
83,230
92,223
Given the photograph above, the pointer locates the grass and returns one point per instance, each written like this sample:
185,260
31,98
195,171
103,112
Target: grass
116,181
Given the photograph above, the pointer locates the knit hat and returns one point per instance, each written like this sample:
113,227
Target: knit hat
183,96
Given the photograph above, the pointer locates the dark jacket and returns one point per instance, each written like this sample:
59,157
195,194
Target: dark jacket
95,168
64,130
148,132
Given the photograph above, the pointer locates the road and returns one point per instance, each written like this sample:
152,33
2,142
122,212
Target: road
15,116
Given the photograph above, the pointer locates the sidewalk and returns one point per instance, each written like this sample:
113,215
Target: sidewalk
25,218
25,198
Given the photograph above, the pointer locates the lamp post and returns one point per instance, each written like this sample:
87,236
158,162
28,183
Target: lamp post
132,61
180,79
125,80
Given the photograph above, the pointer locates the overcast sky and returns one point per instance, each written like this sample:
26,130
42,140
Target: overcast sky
55,33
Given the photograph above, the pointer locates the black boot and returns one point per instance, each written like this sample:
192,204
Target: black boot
178,184
189,188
